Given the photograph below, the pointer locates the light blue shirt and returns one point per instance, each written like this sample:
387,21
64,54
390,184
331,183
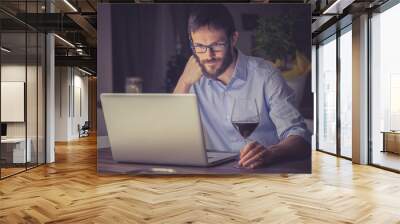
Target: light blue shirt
253,78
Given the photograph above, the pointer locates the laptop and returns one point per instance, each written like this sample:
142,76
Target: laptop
157,129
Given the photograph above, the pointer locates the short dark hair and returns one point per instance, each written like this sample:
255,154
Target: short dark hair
216,16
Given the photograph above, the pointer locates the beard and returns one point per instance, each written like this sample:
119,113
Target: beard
227,59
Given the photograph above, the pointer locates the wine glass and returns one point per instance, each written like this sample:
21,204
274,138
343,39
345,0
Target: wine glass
245,117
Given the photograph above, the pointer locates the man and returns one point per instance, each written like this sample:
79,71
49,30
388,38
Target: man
218,73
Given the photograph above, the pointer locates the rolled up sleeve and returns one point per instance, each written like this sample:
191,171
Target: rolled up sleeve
285,116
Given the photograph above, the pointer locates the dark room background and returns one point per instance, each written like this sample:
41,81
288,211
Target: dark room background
149,42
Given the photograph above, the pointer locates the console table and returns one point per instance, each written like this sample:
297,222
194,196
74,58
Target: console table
391,141
13,150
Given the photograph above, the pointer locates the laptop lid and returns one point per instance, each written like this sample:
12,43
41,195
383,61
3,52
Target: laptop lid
154,128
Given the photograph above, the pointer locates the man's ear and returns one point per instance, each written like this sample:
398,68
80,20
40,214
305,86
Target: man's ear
235,38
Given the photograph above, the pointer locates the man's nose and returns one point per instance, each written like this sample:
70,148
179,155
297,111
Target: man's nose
210,54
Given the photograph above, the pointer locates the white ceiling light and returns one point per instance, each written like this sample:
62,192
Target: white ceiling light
65,41
86,72
5,50
337,7
70,5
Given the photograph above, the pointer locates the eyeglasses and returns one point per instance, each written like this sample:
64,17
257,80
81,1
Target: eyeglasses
217,47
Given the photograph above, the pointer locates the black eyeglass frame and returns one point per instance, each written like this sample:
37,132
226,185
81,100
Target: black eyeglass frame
210,47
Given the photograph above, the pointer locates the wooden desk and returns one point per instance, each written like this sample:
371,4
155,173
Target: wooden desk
105,164
391,141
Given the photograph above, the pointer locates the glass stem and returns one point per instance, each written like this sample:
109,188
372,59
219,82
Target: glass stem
248,140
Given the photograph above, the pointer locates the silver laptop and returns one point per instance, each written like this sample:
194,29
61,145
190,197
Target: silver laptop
157,129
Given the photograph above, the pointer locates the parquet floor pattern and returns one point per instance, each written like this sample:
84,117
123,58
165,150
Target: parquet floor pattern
70,191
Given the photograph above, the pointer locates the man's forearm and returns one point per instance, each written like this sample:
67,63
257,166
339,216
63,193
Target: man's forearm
182,87
292,147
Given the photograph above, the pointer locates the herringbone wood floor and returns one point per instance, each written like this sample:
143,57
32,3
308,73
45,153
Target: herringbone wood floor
70,191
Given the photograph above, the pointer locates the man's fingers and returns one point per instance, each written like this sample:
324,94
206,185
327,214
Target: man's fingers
192,59
256,164
250,154
255,159
192,62
195,65
247,148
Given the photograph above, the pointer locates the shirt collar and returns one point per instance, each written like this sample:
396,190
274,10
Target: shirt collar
240,71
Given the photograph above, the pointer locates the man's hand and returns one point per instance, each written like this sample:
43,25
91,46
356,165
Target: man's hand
254,155
191,74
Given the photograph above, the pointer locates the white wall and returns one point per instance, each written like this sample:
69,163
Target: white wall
62,81
81,89
33,127
16,73
13,73
70,84
82,82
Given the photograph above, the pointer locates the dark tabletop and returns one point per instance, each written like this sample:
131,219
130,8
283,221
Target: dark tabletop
105,165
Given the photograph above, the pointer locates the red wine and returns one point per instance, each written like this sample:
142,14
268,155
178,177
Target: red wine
245,128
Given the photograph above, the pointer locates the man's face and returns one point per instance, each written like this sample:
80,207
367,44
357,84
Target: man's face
213,63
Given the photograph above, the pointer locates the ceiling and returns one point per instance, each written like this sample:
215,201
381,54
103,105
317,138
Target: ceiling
76,22
72,20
